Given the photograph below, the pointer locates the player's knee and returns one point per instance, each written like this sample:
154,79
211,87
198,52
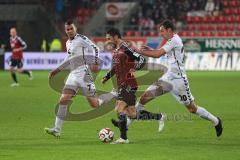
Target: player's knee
65,99
146,97
12,70
94,103
192,108
132,114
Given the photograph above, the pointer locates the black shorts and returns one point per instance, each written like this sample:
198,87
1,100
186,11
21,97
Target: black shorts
127,94
16,63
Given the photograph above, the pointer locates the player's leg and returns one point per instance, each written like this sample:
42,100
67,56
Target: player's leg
182,93
14,76
64,101
22,71
122,122
12,65
97,101
156,89
203,113
69,91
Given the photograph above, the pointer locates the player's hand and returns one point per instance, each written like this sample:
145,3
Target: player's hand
144,48
131,71
104,80
16,49
53,73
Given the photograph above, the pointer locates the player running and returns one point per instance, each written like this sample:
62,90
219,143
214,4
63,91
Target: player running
125,60
16,60
175,79
80,50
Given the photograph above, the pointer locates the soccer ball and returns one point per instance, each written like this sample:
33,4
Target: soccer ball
106,135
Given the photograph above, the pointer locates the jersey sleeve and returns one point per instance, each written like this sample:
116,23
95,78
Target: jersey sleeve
168,46
23,44
139,59
92,48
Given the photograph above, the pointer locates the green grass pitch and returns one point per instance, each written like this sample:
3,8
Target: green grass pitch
27,109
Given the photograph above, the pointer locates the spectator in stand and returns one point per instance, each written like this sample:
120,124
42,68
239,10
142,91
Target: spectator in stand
209,7
218,8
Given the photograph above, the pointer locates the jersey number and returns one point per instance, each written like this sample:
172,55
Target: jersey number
183,97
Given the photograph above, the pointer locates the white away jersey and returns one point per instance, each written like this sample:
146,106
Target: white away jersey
81,51
175,56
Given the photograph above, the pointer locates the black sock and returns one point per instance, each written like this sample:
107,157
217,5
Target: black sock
14,77
145,115
123,125
26,72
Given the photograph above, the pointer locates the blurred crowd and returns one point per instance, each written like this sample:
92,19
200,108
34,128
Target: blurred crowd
150,13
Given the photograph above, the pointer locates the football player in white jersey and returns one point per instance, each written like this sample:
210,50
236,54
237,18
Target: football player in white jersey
81,60
175,79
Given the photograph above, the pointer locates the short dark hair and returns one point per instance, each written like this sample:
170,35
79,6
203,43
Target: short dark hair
168,24
113,32
69,22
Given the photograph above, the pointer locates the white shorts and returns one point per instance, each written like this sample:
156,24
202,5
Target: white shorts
82,79
178,87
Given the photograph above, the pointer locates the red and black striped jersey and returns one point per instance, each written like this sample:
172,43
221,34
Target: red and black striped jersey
16,43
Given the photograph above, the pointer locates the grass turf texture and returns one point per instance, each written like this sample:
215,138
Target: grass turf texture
27,109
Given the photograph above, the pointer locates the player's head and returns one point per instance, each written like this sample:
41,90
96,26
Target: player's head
13,32
113,35
70,29
166,29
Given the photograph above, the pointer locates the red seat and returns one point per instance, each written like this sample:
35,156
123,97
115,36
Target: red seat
225,3
211,27
130,33
220,19
80,12
87,12
227,11
233,3
81,19
137,34
198,19
189,19
237,19
230,27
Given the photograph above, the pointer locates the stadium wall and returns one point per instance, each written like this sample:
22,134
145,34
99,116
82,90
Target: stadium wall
211,61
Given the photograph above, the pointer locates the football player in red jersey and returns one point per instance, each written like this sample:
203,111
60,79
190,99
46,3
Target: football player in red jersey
124,62
17,46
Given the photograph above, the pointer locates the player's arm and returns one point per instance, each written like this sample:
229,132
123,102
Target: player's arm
140,61
63,65
153,53
94,60
156,53
23,45
108,75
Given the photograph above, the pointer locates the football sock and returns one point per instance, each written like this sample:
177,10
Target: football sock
26,72
139,106
123,125
203,113
129,121
14,77
104,98
145,115
61,114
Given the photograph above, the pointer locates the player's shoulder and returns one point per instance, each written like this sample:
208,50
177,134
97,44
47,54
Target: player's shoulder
19,38
175,40
82,37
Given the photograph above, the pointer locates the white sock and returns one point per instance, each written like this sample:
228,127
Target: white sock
58,124
139,106
129,121
61,114
203,113
104,98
